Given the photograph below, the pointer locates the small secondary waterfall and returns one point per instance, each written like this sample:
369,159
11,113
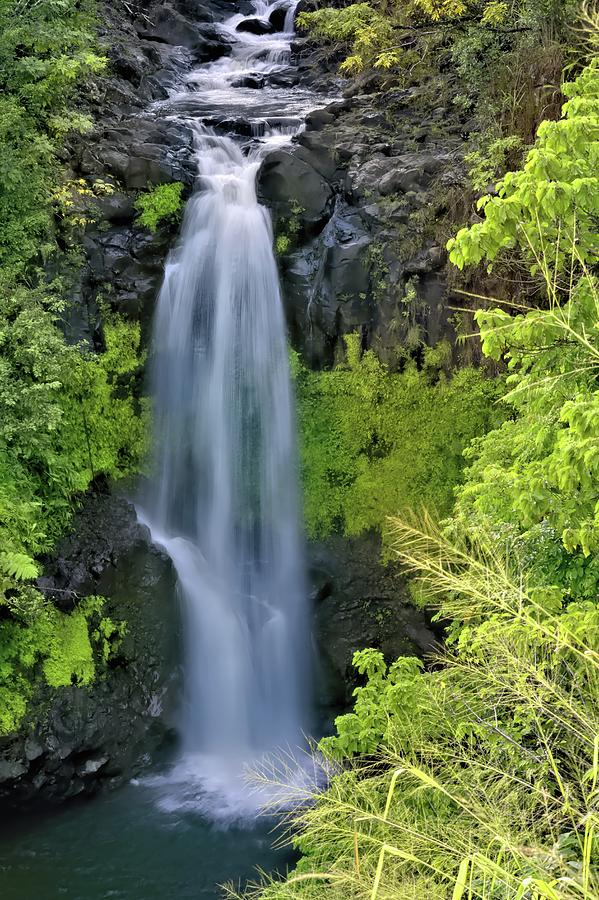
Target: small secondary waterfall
225,500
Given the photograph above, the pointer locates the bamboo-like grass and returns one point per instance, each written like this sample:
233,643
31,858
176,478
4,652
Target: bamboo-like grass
469,807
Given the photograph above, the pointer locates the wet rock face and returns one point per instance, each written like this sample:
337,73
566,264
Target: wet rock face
150,48
360,602
77,740
365,187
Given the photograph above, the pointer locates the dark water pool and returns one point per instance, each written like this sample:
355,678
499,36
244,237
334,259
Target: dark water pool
126,846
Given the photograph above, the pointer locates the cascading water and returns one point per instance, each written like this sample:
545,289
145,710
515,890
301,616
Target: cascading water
225,501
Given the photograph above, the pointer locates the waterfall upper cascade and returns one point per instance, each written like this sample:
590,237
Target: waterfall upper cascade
225,502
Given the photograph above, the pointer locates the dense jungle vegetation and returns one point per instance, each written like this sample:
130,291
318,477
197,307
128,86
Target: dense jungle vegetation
67,415
478,776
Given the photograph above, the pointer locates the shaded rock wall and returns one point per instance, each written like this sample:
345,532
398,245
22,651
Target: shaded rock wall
76,740
360,602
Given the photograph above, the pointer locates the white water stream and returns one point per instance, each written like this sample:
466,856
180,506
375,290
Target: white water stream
225,501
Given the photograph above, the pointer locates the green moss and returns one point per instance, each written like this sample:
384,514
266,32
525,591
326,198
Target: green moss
58,648
70,658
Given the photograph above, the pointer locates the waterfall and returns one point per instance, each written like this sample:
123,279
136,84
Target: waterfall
224,503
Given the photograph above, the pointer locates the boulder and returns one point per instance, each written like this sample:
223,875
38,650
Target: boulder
254,25
286,179
277,18
77,739
360,602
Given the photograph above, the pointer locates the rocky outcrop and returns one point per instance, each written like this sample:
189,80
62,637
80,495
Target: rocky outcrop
76,740
360,602
150,48
363,194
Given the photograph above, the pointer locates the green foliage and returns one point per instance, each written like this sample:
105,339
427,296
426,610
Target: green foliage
46,48
485,781
362,27
484,165
554,200
388,695
289,229
374,442
109,637
378,35
533,482
66,416
479,778
162,203
50,644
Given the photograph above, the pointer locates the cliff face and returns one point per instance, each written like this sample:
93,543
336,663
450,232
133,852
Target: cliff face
362,201
369,191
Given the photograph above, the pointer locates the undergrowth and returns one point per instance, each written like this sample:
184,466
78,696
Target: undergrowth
68,412
374,442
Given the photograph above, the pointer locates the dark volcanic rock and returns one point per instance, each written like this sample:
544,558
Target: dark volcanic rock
151,47
75,740
286,179
277,18
255,26
359,602
368,183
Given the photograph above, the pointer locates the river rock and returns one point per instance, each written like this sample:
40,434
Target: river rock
277,18
255,26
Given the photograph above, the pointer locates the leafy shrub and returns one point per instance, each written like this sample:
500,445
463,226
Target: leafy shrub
162,203
533,482
374,442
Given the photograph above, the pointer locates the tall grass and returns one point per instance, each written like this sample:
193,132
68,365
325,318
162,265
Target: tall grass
491,791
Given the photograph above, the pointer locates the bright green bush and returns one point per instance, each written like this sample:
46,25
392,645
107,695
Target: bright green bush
376,443
40,642
533,482
160,204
